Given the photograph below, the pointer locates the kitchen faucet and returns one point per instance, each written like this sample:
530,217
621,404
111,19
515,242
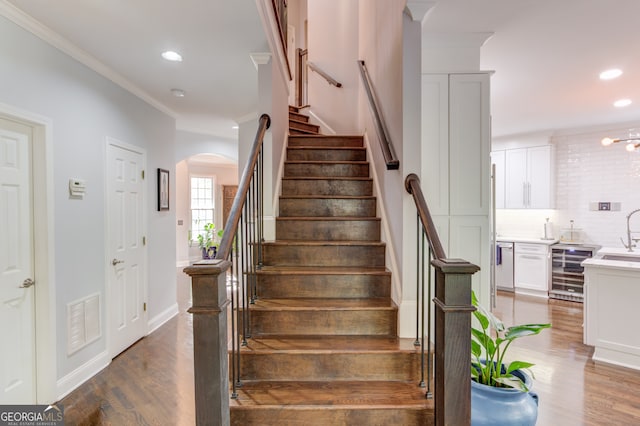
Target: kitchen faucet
630,241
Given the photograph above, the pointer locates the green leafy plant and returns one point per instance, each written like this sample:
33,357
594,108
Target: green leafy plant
488,366
210,238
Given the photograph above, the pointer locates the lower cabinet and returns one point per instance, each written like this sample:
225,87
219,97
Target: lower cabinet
531,268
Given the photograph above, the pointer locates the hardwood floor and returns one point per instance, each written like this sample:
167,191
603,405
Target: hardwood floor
573,389
152,382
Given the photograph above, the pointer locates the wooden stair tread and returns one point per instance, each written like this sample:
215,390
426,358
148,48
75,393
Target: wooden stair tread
363,394
330,344
329,197
322,270
293,120
323,162
339,136
323,304
329,148
299,116
315,178
324,243
302,132
327,218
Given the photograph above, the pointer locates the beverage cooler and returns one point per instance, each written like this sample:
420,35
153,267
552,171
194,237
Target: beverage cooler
567,274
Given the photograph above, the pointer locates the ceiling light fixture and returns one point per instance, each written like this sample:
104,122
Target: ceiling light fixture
178,93
621,103
172,56
234,127
610,74
632,143
632,146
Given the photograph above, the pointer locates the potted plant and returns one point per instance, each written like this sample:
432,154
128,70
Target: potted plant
500,391
208,241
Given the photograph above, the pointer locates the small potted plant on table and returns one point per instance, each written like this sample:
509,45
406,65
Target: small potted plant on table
208,241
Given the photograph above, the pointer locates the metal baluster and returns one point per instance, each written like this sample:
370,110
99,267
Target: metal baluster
245,265
429,394
418,261
261,201
235,348
241,269
423,302
254,232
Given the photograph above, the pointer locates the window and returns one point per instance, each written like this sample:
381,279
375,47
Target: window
202,204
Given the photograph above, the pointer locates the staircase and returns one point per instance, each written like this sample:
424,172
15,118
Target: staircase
324,347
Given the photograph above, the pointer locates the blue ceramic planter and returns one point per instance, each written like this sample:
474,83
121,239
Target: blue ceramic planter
503,406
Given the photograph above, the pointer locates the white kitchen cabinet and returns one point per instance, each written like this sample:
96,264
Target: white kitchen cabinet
455,172
531,268
529,178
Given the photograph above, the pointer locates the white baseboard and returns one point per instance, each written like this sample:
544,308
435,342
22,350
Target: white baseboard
157,321
81,374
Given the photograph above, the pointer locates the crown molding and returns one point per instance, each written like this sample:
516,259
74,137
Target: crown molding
418,9
260,58
54,39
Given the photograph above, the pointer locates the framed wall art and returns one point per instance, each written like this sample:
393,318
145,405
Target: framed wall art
163,189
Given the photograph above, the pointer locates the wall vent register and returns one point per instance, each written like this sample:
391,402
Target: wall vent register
567,273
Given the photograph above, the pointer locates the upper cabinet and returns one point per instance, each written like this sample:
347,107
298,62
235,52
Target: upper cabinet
456,141
524,178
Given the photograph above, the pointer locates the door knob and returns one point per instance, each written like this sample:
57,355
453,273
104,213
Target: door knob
114,262
27,283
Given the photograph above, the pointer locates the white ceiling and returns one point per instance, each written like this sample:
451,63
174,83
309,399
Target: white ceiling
214,37
546,54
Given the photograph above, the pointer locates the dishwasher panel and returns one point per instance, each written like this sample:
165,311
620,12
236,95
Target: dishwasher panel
504,266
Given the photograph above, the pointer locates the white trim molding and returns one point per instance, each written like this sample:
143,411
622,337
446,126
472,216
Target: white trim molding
43,228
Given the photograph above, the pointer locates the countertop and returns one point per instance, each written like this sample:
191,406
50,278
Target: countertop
598,261
509,239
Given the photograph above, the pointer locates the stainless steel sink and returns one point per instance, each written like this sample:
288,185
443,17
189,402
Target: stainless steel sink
621,257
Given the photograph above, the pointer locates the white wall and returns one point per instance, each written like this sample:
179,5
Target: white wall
381,47
333,47
588,172
85,108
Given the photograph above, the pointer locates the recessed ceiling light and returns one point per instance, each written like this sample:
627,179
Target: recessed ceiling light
170,55
610,74
622,103
178,93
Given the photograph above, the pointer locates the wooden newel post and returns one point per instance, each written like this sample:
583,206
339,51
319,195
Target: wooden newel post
453,341
210,342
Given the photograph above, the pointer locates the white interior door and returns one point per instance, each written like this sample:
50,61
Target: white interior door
127,277
17,314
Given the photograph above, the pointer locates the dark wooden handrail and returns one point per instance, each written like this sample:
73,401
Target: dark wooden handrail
453,308
231,226
301,78
412,185
330,80
383,134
